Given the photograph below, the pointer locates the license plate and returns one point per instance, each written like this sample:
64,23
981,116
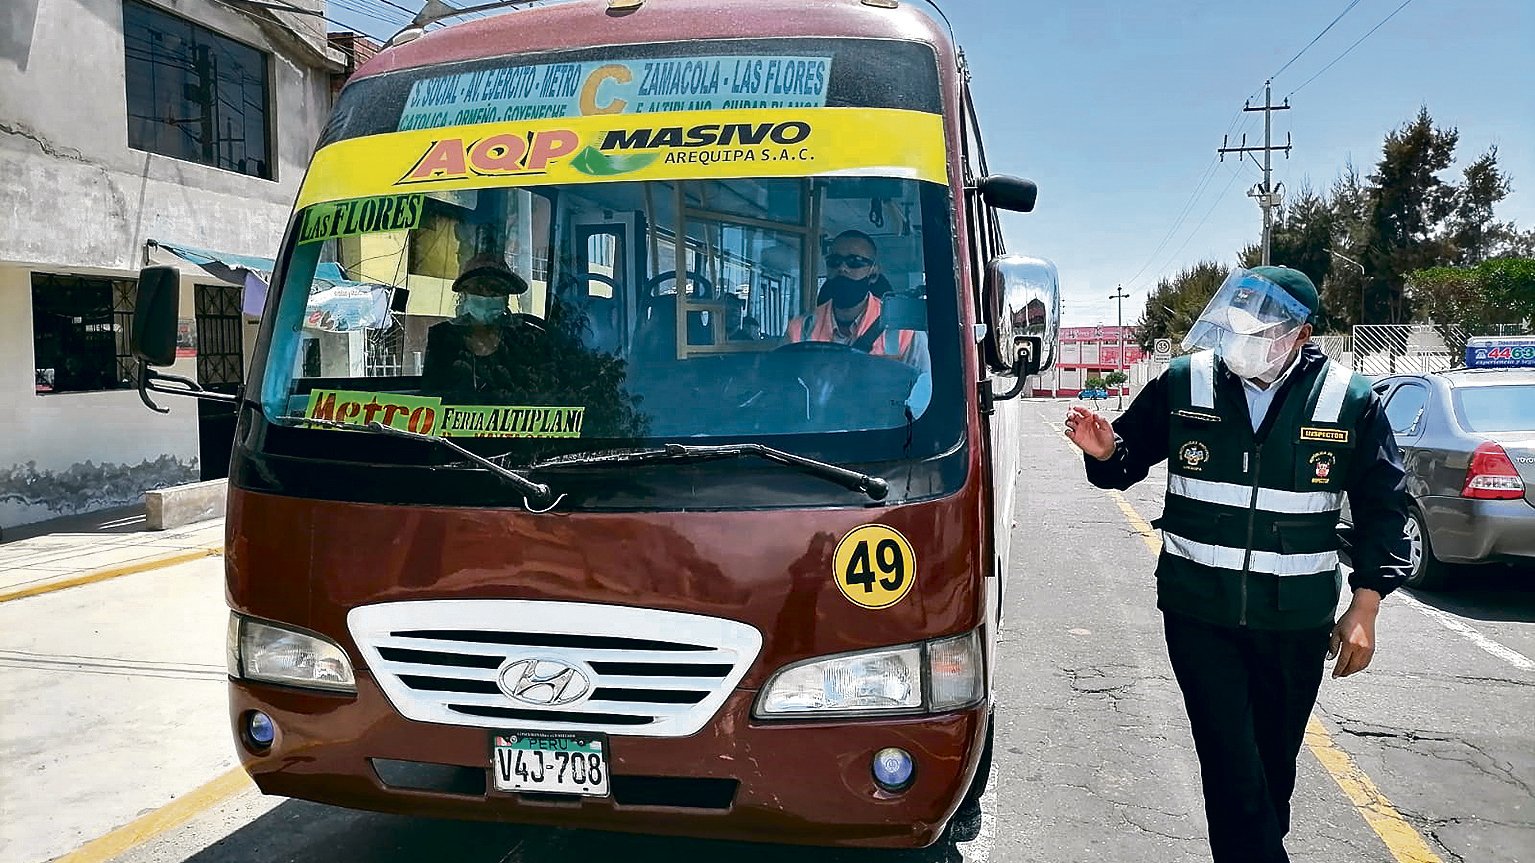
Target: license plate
550,763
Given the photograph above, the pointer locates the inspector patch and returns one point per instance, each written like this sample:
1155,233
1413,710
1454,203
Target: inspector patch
1324,434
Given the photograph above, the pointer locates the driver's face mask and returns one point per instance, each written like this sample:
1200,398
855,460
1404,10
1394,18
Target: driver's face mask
846,293
477,309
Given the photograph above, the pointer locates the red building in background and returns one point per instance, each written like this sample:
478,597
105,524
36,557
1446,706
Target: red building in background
1087,352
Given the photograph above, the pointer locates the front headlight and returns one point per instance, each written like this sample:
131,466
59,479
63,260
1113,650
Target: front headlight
873,681
275,654
934,676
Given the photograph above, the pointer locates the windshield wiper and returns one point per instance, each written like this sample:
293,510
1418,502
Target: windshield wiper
530,489
873,486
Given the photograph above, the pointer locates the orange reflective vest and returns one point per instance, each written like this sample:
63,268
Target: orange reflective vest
822,324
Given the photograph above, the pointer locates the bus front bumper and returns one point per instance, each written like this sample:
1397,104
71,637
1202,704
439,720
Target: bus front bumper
736,779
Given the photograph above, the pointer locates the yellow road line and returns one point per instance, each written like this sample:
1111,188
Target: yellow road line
1141,525
113,572
167,817
1402,840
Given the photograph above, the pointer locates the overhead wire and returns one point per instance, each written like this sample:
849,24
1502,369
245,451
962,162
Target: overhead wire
1210,167
1350,48
1172,259
1315,39
382,15
1236,124
1200,185
1218,198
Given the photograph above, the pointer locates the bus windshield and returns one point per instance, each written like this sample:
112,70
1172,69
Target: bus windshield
580,283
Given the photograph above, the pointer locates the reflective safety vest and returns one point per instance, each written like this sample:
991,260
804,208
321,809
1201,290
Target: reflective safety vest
821,325
1249,532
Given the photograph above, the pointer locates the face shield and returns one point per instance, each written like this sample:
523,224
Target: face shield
1252,324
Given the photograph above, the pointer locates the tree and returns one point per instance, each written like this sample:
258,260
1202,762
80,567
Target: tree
1115,378
1464,301
1174,304
1409,205
1474,232
1095,383
1302,239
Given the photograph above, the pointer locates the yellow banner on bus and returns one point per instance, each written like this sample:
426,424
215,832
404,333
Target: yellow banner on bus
684,145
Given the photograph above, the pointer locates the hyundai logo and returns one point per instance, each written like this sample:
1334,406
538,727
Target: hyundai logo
543,682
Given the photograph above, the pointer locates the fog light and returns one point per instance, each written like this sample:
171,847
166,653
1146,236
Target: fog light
260,729
893,769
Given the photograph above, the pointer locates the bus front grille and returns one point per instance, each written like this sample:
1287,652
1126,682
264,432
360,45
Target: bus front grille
553,666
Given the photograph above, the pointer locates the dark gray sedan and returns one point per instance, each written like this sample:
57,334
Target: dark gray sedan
1468,444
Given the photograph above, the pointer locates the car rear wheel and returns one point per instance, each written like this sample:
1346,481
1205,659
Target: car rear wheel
1423,570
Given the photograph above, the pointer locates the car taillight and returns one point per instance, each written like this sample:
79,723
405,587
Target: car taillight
1492,475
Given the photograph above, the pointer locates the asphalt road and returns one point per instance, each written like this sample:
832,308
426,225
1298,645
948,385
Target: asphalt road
111,706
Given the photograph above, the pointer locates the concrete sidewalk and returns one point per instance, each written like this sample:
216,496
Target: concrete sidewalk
81,553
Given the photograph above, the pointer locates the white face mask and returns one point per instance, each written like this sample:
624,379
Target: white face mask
1256,358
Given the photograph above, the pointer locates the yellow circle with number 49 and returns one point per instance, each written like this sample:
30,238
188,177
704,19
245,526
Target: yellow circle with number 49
874,566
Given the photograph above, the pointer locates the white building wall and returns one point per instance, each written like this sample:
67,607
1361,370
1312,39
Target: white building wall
76,199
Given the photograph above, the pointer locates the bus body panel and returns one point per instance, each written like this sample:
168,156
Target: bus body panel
799,783
308,563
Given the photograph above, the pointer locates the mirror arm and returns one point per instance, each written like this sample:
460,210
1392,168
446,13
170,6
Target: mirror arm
149,379
1018,384
1026,364
144,372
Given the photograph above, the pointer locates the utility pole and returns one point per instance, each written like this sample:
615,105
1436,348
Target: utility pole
1119,363
1267,195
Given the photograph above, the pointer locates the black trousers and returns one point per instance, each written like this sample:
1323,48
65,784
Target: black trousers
1248,694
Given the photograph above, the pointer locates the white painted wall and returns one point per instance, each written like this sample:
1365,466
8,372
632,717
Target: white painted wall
77,199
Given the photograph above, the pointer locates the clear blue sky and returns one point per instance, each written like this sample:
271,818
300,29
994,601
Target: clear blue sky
1115,107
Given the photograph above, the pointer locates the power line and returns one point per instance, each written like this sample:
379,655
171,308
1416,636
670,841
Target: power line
410,12
1205,218
358,7
1350,48
1200,186
1346,10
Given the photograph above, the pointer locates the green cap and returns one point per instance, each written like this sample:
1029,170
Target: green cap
1295,283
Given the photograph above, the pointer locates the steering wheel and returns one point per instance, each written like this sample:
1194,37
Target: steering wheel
696,278
809,347
532,322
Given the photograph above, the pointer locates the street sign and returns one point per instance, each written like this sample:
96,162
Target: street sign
1162,349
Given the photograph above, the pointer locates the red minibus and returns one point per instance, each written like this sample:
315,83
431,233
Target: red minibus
627,443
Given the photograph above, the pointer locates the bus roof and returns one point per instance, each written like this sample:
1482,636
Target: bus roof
589,23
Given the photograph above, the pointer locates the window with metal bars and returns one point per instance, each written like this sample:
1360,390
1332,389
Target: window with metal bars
80,330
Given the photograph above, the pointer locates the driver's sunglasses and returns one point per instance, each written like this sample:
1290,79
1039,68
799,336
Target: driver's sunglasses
852,262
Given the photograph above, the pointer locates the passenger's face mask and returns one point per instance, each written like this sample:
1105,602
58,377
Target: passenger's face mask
845,292
481,310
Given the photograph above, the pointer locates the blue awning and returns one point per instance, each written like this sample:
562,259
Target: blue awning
251,272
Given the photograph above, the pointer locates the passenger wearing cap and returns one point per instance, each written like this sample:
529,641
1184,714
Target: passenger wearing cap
471,358
1264,437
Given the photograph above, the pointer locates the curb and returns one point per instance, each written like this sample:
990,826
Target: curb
111,572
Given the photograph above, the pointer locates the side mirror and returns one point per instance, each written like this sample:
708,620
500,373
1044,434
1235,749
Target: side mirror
153,340
1009,193
1022,299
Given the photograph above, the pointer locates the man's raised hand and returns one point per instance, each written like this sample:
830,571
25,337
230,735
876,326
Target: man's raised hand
1090,432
